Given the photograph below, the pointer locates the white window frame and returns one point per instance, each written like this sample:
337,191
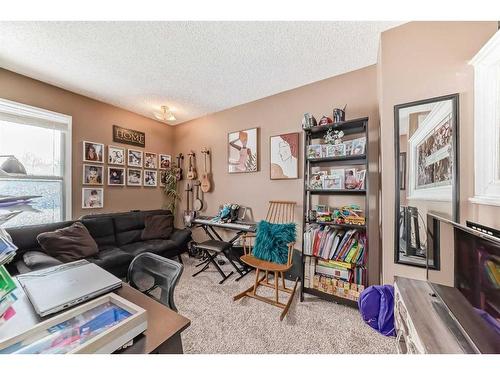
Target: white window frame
22,110
487,123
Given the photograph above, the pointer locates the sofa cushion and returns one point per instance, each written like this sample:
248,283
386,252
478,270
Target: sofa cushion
101,229
38,260
68,244
157,227
153,246
128,228
110,257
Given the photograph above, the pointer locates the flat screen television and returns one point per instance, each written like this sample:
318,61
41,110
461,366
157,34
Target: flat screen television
469,280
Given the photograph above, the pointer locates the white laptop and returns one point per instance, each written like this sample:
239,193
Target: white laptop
56,288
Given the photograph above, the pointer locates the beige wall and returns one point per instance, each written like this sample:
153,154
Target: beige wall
421,60
278,114
92,120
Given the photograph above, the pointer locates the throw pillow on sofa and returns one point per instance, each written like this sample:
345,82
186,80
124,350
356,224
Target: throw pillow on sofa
271,241
157,227
68,244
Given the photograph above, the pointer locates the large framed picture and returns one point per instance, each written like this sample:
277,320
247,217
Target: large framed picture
165,161
93,174
92,197
134,158
284,156
93,152
242,149
134,177
150,160
116,176
116,155
150,178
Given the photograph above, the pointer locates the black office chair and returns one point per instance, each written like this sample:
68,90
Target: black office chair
149,271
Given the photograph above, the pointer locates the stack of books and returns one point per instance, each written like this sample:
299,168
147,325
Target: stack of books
7,284
335,244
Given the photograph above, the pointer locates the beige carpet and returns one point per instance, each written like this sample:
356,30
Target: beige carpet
219,325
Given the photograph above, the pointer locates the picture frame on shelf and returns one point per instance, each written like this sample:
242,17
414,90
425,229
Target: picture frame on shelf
92,174
134,158
284,156
314,151
150,160
134,177
150,178
165,161
350,179
358,146
116,155
116,176
93,152
361,177
92,198
335,150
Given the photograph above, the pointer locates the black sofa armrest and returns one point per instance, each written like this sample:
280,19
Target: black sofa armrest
37,260
181,238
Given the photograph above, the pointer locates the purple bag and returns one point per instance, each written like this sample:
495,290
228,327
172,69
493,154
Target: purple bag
376,305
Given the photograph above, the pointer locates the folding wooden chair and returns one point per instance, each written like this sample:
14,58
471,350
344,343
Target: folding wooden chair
279,212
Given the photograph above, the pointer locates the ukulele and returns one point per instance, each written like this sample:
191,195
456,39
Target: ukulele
206,185
178,175
191,175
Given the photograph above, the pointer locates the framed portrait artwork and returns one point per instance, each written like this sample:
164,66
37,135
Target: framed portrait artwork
92,174
116,155
92,197
134,158
242,149
165,161
93,152
163,178
150,178
134,177
284,156
116,176
150,160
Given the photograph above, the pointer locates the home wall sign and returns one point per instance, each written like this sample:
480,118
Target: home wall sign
128,136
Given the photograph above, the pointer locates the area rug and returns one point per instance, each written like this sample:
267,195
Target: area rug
219,325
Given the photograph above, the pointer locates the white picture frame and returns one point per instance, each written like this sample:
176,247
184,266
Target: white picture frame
92,198
150,178
93,152
150,160
92,175
116,155
113,177
161,177
135,158
165,161
134,177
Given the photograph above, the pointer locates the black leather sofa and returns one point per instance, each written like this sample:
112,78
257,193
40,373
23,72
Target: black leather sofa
117,235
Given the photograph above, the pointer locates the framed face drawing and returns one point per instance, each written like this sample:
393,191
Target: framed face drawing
284,156
165,161
92,198
150,160
242,148
134,177
116,176
150,178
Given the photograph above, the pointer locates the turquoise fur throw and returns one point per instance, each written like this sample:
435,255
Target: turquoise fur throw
271,242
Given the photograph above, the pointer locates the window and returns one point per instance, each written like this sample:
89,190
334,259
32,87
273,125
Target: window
487,123
41,141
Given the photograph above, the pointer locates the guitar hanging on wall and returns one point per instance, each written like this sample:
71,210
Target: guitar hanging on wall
178,174
191,175
206,184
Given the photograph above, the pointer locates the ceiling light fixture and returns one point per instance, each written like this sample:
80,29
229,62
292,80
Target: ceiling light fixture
165,115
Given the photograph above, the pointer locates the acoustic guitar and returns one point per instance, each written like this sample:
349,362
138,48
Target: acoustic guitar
191,175
178,175
206,185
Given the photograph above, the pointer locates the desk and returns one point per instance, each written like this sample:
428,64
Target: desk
162,336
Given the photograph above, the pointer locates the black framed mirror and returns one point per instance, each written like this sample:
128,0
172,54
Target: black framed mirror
426,145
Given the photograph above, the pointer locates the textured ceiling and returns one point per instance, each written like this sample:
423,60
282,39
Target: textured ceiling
195,68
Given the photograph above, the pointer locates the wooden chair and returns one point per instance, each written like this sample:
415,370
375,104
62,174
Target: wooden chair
279,212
